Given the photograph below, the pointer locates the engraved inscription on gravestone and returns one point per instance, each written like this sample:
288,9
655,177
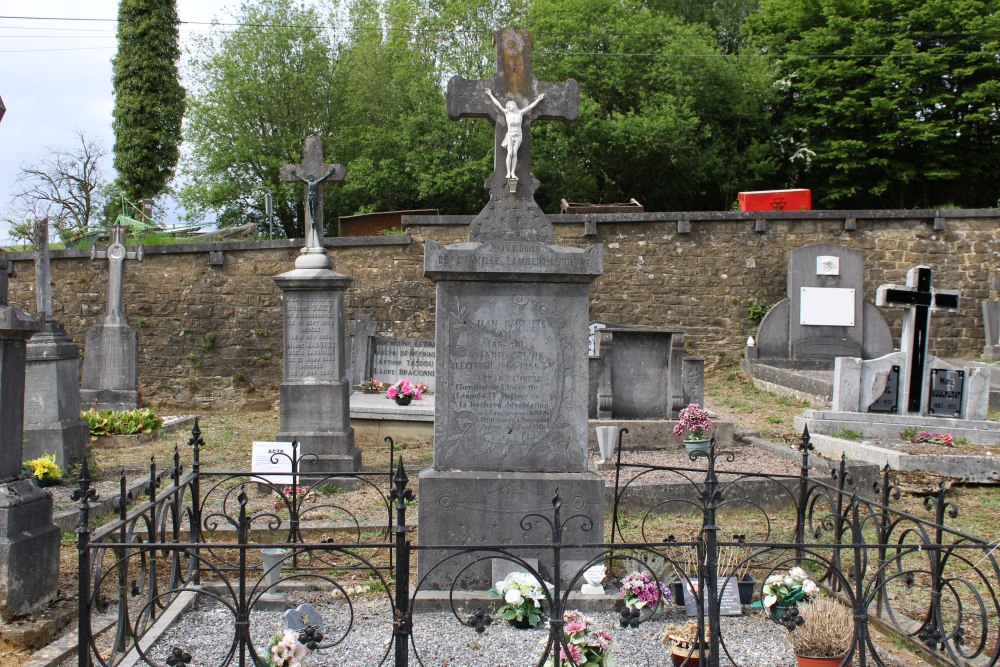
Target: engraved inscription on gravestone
947,388
396,358
889,400
728,597
310,316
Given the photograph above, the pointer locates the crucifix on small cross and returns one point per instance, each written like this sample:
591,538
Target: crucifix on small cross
512,99
919,300
313,173
116,254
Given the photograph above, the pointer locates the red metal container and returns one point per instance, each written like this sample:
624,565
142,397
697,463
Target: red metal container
776,200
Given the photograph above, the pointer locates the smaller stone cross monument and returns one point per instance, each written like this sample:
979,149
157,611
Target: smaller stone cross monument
315,392
52,423
313,173
29,541
111,360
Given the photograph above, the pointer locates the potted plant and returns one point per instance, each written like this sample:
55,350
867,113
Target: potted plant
371,386
584,644
403,392
44,470
694,424
641,591
783,591
523,600
685,648
824,635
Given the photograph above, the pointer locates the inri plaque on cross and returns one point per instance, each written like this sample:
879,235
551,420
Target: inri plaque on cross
313,173
512,100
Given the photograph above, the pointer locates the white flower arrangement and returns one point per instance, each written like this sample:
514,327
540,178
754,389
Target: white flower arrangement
788,589
288,651
523,598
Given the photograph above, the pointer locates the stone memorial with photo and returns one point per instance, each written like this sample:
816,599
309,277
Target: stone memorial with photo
29,541
52,423
824,316
111,360
315,391
511,339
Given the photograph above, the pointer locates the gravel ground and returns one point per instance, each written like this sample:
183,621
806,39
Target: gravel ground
747,459
206,633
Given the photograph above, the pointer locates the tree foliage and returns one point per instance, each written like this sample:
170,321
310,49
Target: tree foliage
149,100
897,99
255,94
66,186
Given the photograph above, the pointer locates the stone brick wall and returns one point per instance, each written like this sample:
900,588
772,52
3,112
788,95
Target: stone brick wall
211,335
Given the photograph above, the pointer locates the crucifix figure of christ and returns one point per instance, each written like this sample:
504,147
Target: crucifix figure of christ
512,99
313,173
919,300
116,254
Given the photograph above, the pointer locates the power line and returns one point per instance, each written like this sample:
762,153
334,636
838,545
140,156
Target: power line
82,48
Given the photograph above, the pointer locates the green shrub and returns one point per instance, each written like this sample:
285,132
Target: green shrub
130,422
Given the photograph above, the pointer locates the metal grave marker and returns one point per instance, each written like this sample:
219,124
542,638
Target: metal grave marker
946,393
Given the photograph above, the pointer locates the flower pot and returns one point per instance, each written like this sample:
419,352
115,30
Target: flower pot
523,624
680,657
677,593
746,586
404,400
811,661
698,447
777,610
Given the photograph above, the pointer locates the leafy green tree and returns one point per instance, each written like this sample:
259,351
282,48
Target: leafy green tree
665,115
149,100
894,101
256,93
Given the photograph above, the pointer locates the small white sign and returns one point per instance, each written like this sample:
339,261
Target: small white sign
261,462
827,265
826,306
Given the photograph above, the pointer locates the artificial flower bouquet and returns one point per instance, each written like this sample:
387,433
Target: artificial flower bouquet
304,494
585,646
404,388
693,423
785,590
523,599
44,470
640,591
372,386
291,648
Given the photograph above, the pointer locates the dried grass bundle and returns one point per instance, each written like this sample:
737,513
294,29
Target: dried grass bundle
827,630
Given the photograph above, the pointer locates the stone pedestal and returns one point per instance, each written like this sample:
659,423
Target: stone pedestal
16,327
315,392
510,404
110,368
52,423
29,549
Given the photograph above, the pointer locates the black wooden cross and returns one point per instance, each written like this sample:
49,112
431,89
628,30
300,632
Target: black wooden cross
514,81
918,297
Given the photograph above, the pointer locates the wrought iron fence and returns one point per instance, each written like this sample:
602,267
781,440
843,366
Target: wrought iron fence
203,537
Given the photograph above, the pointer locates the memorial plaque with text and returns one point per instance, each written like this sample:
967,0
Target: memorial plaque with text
729,597
395,358
311,337
512,376
888,402
946,392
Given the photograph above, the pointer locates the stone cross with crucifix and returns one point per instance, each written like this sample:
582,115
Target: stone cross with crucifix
313,173
919,300
512,100
116,254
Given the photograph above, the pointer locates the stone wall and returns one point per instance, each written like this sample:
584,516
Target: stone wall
210,335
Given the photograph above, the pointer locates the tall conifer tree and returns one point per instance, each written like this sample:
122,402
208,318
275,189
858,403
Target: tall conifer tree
149,100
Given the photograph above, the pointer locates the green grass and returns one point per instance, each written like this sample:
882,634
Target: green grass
848,434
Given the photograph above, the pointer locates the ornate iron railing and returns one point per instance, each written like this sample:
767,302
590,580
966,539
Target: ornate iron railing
203,536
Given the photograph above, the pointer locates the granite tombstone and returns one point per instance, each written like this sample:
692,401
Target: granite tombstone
29,541
991,324
511,340
111,361
52,423
315,391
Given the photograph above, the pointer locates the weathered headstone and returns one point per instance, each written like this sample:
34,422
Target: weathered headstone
511,339
29,541
111,359
395,358
825,315
315,392
361,334
991,323
52,423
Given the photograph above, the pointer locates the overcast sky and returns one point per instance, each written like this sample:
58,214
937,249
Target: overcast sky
55,76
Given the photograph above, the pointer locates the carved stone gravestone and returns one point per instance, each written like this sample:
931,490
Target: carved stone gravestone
29,541
52,423
991,323
511,338
111,360
825,315
315,392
